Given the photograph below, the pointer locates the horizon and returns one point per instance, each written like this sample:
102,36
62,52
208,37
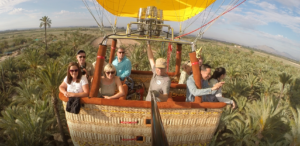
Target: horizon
275,24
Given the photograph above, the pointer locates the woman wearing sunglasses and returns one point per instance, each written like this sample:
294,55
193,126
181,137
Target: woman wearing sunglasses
74,84
109,83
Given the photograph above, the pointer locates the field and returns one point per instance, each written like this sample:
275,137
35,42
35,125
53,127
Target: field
266,88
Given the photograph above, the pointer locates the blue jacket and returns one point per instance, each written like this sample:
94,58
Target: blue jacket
192,91
123,68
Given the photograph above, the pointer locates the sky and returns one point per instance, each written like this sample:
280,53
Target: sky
274,23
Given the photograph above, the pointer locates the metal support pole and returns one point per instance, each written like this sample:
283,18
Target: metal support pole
98,70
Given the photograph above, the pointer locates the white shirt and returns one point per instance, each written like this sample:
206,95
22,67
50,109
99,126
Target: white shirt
76,87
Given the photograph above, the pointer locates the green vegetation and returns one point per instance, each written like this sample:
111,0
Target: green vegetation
265,90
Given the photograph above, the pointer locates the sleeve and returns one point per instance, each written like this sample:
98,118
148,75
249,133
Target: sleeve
166,87
84,80
182,78
225,100
197,92
127,71
218,92
212,82
65,80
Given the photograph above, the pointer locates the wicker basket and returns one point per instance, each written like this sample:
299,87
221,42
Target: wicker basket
113,122
112,125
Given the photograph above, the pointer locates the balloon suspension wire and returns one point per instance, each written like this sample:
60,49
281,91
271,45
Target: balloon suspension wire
201,32
230,5
89,9
211,20
192,20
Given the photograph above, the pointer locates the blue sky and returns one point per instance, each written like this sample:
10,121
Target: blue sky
274,23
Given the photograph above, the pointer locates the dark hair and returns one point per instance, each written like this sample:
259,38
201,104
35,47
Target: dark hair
69,77
203,67
80,51
218,73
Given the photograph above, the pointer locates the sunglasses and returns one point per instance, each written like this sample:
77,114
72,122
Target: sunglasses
111,72
122,52
81,56
76,70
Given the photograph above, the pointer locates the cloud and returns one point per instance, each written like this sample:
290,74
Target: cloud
17,11
8,5
290,3
250,18
65,13
264,5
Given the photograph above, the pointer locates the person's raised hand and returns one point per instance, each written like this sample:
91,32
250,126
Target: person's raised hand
217,86
233,105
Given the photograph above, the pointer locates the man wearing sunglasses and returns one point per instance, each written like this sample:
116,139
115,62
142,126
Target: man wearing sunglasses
122,64
86,68
160,81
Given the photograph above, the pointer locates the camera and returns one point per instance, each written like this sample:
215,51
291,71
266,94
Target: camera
82,71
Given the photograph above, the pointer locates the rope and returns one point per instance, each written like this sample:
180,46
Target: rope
210,21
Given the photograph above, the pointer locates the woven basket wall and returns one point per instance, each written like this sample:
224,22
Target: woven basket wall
101,125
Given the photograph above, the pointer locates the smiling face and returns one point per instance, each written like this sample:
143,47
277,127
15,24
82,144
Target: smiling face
160,71
206,74
110,71
110,74
73,70
81,58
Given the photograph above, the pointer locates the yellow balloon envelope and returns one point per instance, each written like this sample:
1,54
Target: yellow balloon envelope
173,10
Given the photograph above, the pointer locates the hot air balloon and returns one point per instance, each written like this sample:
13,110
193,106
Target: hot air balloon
129,122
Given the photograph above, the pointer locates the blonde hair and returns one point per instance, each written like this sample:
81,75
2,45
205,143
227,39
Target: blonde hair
109,67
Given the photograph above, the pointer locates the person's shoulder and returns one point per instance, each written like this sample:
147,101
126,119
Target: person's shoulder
127,59
115,60
88,64
213,81
83,77
191,77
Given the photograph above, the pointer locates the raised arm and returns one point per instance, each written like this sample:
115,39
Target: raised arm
150,55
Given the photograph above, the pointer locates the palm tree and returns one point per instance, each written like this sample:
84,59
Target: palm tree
33,59
65,35
294,135
27,126
51,76
45,22
284,79
29,92
241,134
264,116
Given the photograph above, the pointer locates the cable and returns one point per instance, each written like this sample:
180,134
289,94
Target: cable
211,20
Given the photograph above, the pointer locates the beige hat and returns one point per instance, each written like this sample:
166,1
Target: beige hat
160,63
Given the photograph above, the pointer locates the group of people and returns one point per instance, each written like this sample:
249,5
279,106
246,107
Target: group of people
79,76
